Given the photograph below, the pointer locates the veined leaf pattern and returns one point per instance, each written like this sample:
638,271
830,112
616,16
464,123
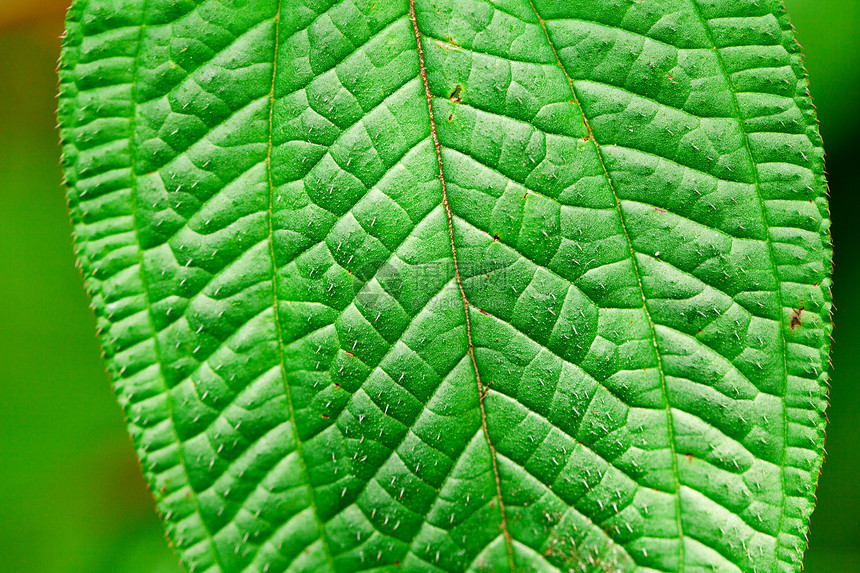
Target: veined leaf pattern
438,286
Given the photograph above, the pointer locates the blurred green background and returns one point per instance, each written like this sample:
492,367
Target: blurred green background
71,496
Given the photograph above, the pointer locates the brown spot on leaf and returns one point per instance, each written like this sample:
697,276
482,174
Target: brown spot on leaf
454,96
796,315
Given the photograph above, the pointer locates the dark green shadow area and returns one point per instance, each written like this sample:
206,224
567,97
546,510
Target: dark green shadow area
827,30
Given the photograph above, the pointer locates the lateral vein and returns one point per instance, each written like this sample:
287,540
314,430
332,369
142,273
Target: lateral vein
145,287
282,365
664,387
770,249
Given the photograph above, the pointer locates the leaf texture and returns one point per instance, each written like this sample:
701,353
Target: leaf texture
438,286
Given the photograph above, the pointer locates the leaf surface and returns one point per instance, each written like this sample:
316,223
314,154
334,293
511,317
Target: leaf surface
425,285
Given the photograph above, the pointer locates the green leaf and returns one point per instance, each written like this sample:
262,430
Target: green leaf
471,285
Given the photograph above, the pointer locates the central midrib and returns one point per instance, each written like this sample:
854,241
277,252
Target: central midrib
471,347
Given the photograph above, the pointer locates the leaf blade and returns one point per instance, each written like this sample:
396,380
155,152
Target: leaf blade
344,93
